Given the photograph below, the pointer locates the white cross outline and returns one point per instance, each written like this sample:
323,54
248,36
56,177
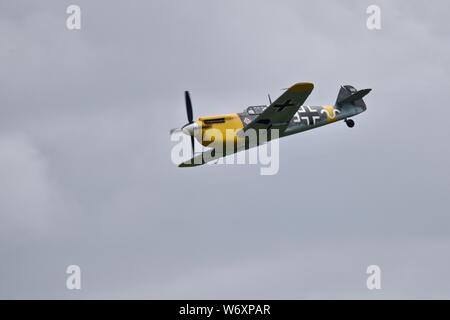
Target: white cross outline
298,118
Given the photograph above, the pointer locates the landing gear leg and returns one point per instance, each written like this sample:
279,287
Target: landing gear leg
350,123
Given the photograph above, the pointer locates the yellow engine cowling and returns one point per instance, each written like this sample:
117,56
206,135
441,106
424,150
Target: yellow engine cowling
214,128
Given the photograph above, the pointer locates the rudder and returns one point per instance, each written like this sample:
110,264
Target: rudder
348,94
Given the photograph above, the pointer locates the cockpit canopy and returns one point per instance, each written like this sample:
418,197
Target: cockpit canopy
256,110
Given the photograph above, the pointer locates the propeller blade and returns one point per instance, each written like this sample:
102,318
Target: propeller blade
189,112
193,146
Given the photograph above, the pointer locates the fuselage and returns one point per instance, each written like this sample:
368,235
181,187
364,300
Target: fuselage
306,118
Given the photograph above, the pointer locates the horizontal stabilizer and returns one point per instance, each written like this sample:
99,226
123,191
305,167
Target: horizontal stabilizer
358,95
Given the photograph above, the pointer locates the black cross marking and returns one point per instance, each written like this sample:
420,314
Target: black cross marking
287,103
311,114
308,113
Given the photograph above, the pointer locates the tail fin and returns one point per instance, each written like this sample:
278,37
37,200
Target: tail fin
349,94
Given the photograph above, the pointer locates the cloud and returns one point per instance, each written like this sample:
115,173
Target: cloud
85,169
28,196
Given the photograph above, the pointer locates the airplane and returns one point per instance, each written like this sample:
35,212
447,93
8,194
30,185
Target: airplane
287,114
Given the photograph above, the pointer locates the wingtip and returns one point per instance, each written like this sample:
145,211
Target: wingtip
185,165
302,86
189,164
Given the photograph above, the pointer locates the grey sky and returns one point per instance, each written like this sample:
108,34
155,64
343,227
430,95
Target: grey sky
86,176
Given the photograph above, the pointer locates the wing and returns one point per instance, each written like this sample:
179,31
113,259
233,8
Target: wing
210,155
203,158
195,161
280,112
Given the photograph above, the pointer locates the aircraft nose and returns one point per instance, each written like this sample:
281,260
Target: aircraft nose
190,128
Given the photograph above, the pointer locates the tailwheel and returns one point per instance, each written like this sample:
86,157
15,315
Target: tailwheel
350,123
